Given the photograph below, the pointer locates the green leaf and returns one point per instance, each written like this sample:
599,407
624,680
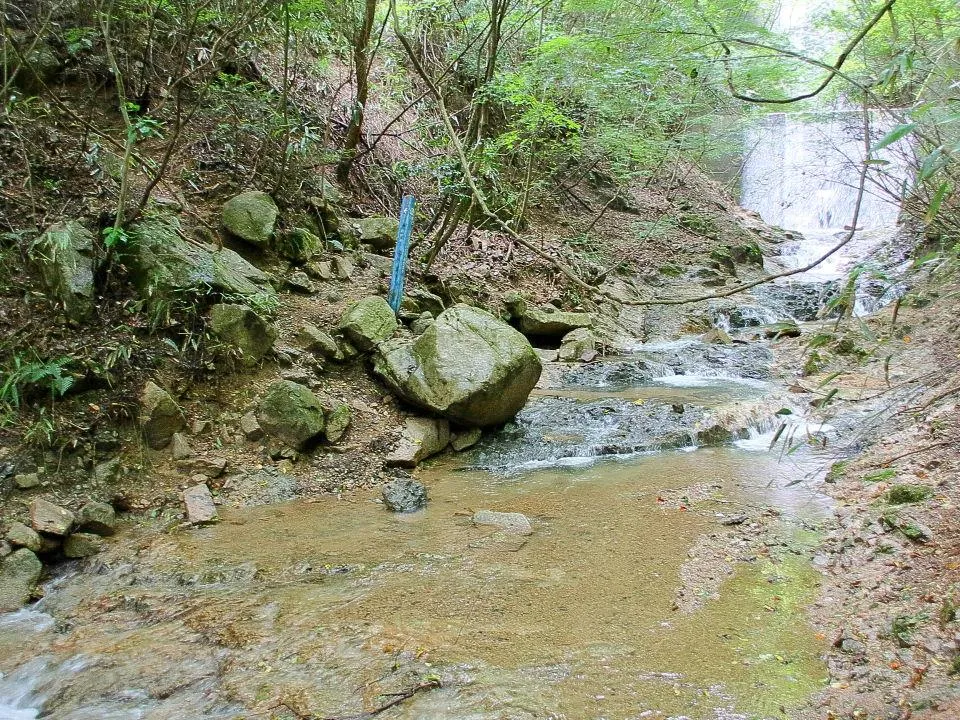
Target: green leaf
899,132
936,202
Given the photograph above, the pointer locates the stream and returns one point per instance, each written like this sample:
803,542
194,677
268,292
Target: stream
671,558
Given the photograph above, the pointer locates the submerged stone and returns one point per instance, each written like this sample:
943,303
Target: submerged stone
510,522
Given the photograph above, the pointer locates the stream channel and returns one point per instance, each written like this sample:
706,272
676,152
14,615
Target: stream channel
671,558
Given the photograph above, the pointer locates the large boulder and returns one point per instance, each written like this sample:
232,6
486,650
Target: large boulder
468,367
19,574
164,265
545,321
64,257
368,322
380,232
241,328
291,413
251,216
160,416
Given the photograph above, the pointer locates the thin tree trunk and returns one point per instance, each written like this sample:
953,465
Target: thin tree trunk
361,64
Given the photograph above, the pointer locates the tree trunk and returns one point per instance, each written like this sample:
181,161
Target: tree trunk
361,69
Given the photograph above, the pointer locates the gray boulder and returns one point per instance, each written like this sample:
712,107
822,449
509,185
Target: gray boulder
198,501
251,216
64,257
320,342
19,535
577,345
45,517
380,232
81,545
421,438
244,330
403,495
98,518
163,264
19,574
544,321
468,367
368,322
290,412
160,416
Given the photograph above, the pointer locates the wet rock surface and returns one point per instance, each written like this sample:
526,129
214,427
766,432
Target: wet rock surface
404,495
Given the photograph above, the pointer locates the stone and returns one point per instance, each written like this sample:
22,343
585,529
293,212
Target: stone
508,522
250,427
97,518
368,322
546,321
81,545
45,517
19,535
201,427
291,413
179,447
41,67
64,257
26,481
164,265
19,575
342,268
211,466
468,367
716,336
160,416
251,216
322,270
380,232
107,471
338,420
5,549
199,504
420,325
576,344
320,342
299,282
421,438
240,327
404,495
297,244
418,301
466,439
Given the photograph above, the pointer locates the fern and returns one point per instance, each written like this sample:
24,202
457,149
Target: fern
25,377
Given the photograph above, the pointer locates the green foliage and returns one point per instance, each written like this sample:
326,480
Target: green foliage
24,376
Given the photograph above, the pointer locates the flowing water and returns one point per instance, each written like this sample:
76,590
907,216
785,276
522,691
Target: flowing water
665,576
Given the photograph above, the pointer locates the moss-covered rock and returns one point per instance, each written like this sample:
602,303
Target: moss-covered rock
577,345
160,416
64,257
297,244
241,328
291,413
380,232
545,321
338,418
251,216
368,322
164,265
469,367
19,574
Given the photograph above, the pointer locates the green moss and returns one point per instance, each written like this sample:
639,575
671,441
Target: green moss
837,471
903,626
904,494
880,475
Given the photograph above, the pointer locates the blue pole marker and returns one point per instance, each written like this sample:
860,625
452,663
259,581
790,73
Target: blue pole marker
398,277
